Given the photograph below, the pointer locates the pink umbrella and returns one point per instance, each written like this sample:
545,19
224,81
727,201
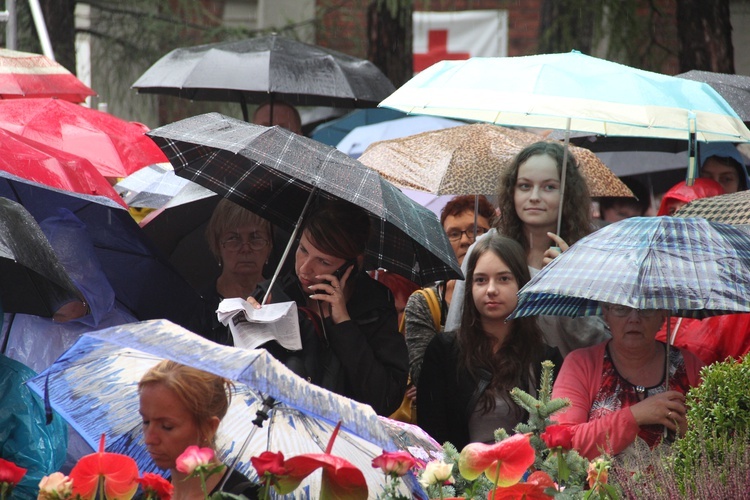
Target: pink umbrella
23,74
114,146
41,164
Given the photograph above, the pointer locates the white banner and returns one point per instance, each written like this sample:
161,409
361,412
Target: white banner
458,35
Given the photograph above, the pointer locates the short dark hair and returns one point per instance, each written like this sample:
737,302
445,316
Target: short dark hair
642,198
460,204
338,228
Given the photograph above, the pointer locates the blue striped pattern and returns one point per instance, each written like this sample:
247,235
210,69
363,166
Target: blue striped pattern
689,266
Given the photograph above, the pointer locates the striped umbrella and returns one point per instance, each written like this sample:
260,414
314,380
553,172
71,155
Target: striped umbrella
23,74
688,266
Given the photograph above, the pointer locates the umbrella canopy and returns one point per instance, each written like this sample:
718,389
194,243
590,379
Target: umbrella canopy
359,139
273,172
151,187
114,146
731,208
94,387
142,281
23,74
691,267
734,88
33,280
333,131
469,160
47,166
545,91
263,68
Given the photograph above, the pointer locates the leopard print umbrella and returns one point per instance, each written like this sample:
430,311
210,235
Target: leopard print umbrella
469,159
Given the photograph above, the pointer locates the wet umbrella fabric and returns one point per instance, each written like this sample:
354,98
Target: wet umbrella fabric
39,163
33,280
731,208
24,74
143,282
273,172
690,267
114,146
548,90
469,159
267,68
94,387
735,89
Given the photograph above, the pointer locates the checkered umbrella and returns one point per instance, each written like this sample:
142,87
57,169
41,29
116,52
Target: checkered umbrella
731,208
691,267
272,172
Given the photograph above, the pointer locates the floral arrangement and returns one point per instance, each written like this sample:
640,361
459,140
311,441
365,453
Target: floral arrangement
10,476
537,462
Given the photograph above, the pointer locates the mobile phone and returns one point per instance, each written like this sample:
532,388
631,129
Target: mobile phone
340,271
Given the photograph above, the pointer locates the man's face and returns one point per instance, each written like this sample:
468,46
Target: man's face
283,116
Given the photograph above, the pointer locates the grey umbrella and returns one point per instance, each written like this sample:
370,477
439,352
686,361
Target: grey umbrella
267,68
735,89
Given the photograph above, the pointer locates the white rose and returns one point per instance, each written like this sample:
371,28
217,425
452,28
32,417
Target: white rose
55,486
436,472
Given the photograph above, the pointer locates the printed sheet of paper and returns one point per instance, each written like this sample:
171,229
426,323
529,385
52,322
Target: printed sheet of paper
252,327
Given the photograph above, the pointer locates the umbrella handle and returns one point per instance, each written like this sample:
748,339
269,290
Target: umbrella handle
566,143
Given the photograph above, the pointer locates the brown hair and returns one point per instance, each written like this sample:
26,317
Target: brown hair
227,216
204,394
460,204
576,220
338,228
511,365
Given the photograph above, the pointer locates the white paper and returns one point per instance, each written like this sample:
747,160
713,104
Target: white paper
252,327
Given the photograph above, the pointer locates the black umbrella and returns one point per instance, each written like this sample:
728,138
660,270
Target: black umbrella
274,172
33,280
142,280
735,89
267,68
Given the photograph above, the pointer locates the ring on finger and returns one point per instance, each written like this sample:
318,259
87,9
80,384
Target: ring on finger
669,415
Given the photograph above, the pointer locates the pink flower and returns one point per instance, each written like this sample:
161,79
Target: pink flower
558,436
396,463
194,457
55,486
503,463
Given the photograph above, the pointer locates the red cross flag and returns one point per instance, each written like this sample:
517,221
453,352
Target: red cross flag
440,36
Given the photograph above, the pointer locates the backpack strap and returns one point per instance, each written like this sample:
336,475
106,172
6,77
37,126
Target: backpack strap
432,302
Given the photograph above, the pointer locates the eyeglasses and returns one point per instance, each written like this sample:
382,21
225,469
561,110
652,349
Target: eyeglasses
234,243
624,311
456,235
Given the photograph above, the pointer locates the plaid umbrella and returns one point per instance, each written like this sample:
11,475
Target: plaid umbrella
731,208
469,159
691,267
272,172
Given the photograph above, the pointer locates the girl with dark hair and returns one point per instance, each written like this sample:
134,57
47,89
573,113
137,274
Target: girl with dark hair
356,349
530,197
467,375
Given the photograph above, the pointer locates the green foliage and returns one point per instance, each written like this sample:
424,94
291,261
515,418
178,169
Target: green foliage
718,413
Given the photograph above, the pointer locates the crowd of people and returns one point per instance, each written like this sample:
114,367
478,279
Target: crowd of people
456,357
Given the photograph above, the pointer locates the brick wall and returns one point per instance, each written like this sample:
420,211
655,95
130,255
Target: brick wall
344,24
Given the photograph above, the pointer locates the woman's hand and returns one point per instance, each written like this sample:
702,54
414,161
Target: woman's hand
551,253
254,302
331,290
666,408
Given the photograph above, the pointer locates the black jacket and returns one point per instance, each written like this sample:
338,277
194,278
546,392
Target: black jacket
365,358
446,398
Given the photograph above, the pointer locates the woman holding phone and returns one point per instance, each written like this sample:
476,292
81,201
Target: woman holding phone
356,349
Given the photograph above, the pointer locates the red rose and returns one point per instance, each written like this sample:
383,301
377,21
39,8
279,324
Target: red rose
558,436
10,472
269,462
154,484
396,463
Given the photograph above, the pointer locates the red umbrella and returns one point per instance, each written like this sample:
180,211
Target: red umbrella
114,146
44,165
23,74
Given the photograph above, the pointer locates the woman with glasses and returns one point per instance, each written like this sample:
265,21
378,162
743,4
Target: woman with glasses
241,243
620,391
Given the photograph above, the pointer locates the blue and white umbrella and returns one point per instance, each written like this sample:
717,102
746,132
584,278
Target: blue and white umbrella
688,266
94,387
